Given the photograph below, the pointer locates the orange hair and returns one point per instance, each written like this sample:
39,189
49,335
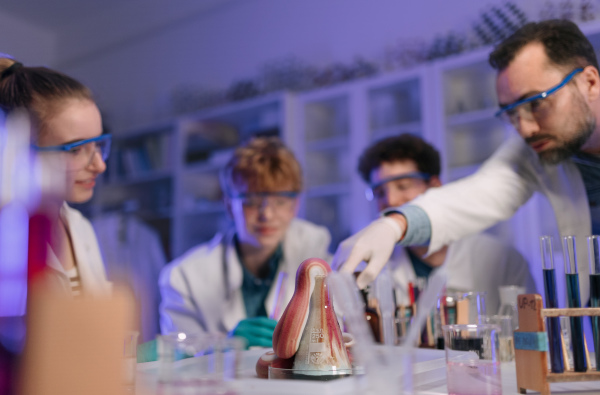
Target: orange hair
263,164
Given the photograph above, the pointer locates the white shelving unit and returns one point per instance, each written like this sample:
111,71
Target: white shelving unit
325,121
336,124
450,102
467,132
214,133
140,178
168,174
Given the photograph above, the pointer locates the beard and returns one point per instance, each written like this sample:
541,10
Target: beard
572,142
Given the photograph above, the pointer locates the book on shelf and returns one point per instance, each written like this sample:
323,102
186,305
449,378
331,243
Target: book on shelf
136,162
152,145
149,155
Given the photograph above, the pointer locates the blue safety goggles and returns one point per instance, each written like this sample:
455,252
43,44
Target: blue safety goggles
277,200
81,153
370,192
509,114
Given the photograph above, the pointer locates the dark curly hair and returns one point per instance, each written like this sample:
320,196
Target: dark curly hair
564,43
400,148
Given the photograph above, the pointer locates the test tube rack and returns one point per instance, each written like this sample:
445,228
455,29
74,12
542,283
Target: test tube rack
531,346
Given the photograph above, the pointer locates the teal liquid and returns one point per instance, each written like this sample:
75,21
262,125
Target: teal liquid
576,324
553,328
595,302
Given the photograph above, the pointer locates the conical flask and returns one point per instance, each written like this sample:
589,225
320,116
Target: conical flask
321,346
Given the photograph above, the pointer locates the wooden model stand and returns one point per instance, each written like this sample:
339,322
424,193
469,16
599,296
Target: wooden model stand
532,364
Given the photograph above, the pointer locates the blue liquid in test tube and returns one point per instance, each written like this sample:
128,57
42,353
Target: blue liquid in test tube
574,300
553,323
594,259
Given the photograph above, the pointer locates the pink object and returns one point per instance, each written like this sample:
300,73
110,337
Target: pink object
321,346
289,329
308,330
479,378
270,359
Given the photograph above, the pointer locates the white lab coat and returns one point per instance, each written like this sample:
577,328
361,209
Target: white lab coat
503,184
133,254
87,255
201,291
474,263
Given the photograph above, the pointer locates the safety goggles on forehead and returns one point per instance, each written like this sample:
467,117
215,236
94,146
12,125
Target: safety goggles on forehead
509,112
277,200
372,191
81,153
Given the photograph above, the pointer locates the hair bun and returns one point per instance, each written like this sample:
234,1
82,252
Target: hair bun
11,70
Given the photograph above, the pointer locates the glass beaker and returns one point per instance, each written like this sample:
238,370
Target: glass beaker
471,308
472,363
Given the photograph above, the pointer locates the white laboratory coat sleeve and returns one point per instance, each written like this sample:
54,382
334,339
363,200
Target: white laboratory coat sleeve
502,185
87,255
190,284
201,291
470,205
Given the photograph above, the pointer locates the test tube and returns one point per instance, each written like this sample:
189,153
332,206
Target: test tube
594,259
384,292
553,323
574,301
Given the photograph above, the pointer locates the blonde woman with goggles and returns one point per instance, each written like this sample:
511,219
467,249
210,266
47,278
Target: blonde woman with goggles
67,127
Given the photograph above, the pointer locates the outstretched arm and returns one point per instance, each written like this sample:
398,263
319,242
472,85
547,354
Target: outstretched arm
445,214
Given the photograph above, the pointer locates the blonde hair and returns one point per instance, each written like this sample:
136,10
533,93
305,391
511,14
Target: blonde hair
263,164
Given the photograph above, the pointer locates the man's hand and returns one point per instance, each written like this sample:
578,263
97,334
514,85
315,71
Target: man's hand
373,244
257,331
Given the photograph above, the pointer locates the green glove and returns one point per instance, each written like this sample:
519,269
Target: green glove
257,331
147,352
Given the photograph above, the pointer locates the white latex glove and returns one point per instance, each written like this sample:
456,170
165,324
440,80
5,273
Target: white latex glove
373,244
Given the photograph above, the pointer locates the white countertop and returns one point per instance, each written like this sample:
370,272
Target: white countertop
430,379
509,385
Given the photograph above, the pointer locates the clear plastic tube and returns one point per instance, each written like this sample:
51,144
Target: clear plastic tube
384,292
